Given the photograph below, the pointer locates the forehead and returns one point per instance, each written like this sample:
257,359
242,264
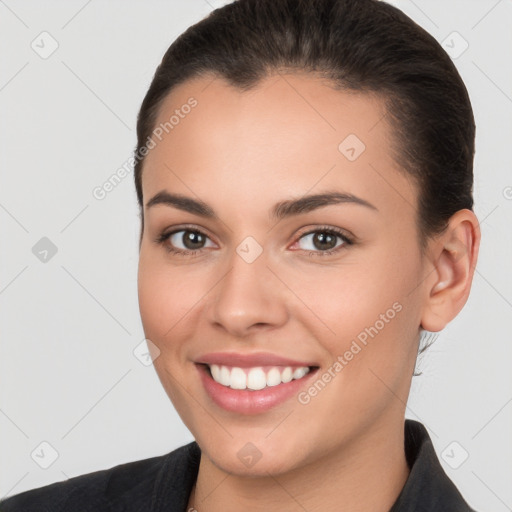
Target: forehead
289,134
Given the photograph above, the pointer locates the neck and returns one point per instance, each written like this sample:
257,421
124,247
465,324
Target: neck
367,476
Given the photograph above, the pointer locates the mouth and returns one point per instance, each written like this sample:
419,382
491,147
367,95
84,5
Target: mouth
253,389
256,378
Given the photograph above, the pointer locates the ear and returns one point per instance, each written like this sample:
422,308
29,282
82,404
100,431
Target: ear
452,259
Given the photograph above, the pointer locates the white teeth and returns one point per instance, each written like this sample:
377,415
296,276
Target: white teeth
238,379
273,377
215,369
287,374
224,376
255,378
300,372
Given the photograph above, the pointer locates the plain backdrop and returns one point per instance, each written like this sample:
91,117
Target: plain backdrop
76,393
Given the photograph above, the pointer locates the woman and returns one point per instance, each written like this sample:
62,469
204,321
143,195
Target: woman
304,176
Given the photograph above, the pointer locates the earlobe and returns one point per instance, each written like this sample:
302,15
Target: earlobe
454,256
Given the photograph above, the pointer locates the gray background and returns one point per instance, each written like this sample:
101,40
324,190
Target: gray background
70,321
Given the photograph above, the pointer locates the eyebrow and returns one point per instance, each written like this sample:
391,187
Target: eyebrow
281,210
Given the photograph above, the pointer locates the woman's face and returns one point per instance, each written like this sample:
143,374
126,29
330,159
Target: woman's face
262,292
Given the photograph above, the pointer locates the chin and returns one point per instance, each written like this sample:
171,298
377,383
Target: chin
267,464
261,457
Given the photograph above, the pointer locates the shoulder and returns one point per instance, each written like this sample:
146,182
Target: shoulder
125,487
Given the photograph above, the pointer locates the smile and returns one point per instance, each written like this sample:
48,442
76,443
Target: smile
252,384
255,378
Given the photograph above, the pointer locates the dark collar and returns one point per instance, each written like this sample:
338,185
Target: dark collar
428,488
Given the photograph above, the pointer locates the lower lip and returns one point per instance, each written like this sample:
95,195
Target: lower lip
246,401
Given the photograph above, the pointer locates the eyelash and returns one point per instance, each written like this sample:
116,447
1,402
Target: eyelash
164,237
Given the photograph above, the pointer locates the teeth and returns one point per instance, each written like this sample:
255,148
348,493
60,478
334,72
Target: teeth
273,377
255,378
287,374
300,372
238,379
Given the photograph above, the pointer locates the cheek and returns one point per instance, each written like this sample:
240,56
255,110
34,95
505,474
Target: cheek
165,299
350,299
367,305
372,350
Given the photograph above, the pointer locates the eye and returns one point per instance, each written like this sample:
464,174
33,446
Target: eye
324,241
186,242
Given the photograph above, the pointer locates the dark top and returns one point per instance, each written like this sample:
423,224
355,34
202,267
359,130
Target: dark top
164,483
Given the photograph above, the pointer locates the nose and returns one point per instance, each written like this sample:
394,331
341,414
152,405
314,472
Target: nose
249,298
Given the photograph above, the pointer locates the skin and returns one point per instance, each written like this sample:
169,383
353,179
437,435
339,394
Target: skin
241,153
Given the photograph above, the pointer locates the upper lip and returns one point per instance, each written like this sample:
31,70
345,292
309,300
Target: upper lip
249,360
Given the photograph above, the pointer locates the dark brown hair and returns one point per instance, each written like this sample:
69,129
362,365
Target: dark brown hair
359,45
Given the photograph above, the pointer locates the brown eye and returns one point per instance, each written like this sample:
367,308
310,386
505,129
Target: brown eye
189,240
185,242
323,240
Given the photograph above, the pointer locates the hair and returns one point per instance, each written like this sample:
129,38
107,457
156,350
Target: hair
365,46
